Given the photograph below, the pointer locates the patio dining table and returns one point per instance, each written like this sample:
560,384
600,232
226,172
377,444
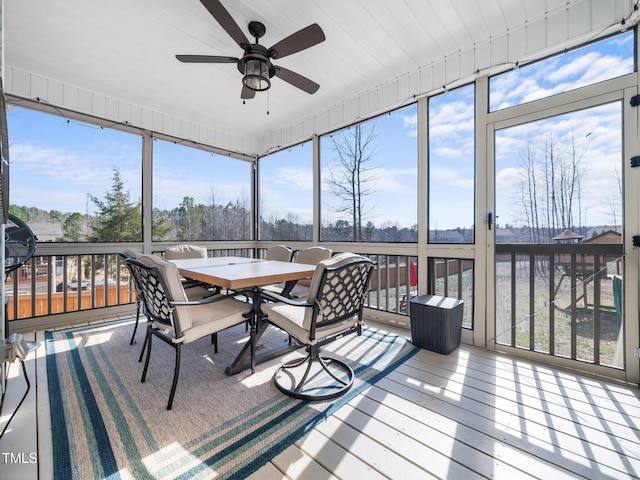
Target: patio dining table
238,274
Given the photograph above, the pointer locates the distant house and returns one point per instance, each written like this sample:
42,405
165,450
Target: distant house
596,231
608,237
46,232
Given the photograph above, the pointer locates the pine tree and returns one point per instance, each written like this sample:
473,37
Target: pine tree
118,219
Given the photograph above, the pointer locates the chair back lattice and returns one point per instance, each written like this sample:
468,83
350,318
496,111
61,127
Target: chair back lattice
154,291
341,293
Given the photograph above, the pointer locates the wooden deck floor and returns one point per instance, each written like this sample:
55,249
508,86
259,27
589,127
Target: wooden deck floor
471,414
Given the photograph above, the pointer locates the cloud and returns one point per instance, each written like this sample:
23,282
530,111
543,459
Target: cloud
300,178
451,177
410,123
559,74
509,177
393,180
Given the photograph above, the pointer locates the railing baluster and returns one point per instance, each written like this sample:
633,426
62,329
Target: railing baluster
574,309
51,280
552,311
532,301
513,299
93,281
64,284
460,264
78,283
596,309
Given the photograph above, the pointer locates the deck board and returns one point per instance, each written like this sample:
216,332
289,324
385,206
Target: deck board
335,458
298,464
426,453
373,451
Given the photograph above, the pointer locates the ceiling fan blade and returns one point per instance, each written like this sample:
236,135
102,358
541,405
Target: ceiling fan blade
206,59
226,21
247,93
305,38
297,80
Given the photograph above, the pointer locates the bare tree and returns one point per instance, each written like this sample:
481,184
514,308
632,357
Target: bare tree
550,189
528,191
352,181
210,226
614,201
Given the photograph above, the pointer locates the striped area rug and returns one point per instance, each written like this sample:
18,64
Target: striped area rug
107,424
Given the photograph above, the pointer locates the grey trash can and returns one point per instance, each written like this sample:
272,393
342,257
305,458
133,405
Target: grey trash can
436,323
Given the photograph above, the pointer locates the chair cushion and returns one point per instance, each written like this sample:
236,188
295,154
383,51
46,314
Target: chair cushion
197,292
292,319
281,253
185,251
310,256
214,317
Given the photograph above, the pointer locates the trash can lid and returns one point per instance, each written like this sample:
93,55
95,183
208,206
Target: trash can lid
437,301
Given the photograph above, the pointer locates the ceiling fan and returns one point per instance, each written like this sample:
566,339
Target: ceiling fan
255,65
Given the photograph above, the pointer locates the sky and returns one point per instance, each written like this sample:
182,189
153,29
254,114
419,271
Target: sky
58,164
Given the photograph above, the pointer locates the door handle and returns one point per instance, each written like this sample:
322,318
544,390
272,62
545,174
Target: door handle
489,219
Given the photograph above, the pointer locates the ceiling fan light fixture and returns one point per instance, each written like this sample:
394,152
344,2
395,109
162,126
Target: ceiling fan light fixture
255,64
256,75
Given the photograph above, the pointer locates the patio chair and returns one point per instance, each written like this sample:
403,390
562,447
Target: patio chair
332,310
184,251
173,318
193,293
308,256
281,253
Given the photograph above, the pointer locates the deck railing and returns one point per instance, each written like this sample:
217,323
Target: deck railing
562,300
76,282
67,283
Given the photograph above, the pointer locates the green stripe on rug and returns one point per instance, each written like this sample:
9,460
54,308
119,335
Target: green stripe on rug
108,424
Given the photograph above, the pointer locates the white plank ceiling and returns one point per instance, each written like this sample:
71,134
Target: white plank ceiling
116,59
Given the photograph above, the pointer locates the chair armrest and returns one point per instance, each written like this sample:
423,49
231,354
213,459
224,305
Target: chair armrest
204,301
280,298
